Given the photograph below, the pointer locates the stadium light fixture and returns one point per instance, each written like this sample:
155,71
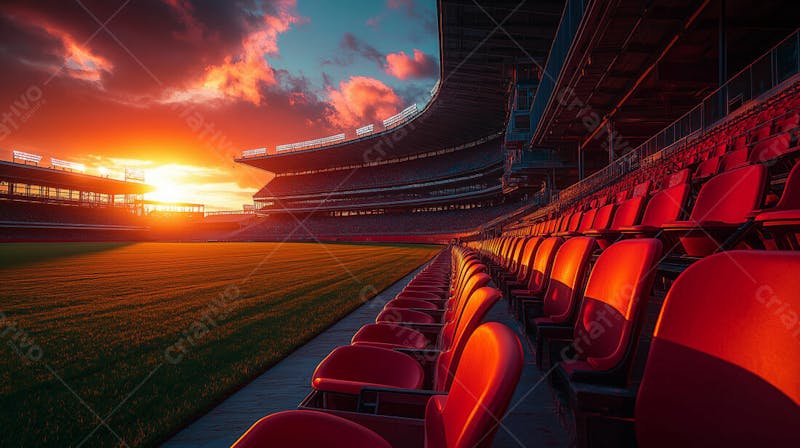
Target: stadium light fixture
311,143
58,163
26,157
364,130
435,88
254,152
404,115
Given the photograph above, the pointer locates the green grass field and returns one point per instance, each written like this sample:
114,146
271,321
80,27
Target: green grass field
148,336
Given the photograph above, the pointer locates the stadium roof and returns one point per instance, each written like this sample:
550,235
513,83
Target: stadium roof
630,68
478,46
49,177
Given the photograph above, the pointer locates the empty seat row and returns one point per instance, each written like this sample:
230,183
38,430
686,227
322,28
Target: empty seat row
428,371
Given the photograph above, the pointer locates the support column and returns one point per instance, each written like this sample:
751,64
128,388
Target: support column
581,169
610,132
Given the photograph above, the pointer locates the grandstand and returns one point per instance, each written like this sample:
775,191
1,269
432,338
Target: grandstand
649,159
39,203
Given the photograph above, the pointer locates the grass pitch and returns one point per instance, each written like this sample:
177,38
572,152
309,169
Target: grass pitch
122,344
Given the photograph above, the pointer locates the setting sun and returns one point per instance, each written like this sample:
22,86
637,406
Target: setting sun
170,185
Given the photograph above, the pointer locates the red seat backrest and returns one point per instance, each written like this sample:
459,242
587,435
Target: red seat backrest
760,133
731,196
642,189
574,221
665,206
587,220
485,380
707,168
455,335
787,123
677,178
771,148
734,159
543,263
526,260
628,212
603,217
724,367
790,198
566,279
616,293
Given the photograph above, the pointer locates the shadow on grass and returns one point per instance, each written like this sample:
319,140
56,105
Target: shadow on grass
13,255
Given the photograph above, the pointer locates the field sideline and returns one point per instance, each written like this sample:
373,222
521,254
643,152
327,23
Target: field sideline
148,336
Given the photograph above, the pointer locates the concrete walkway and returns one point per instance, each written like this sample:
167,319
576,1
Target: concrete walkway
531,421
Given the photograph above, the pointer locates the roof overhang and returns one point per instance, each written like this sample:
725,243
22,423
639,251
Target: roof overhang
49,177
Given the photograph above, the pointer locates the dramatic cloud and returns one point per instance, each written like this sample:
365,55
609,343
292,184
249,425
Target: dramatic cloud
362,100
402,66
72,59
243,76
353,44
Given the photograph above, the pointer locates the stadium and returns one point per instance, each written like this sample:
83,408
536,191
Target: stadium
586,235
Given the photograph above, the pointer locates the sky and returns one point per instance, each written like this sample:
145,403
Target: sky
178,88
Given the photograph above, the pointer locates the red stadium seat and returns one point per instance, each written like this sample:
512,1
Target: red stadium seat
540,273
782,222
308,429
398,315
665,206
734,159
562,298
388,335
626,215
724,203
348,369
485,380
399,339
706,169
525,266
772,148
723,368
610,318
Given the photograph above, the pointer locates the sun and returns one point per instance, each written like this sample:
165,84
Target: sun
169,185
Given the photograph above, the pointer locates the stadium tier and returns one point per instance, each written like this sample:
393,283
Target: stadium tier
38,203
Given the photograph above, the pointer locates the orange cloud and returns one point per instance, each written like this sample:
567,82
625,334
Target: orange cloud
242,76
362,100
75,60
402,66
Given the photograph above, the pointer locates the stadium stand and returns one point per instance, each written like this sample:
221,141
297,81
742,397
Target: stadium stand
38,203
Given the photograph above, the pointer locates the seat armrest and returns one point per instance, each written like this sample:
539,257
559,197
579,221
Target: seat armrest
607,400
564,332
408,403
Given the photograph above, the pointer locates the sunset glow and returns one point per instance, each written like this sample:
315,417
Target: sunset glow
205,82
